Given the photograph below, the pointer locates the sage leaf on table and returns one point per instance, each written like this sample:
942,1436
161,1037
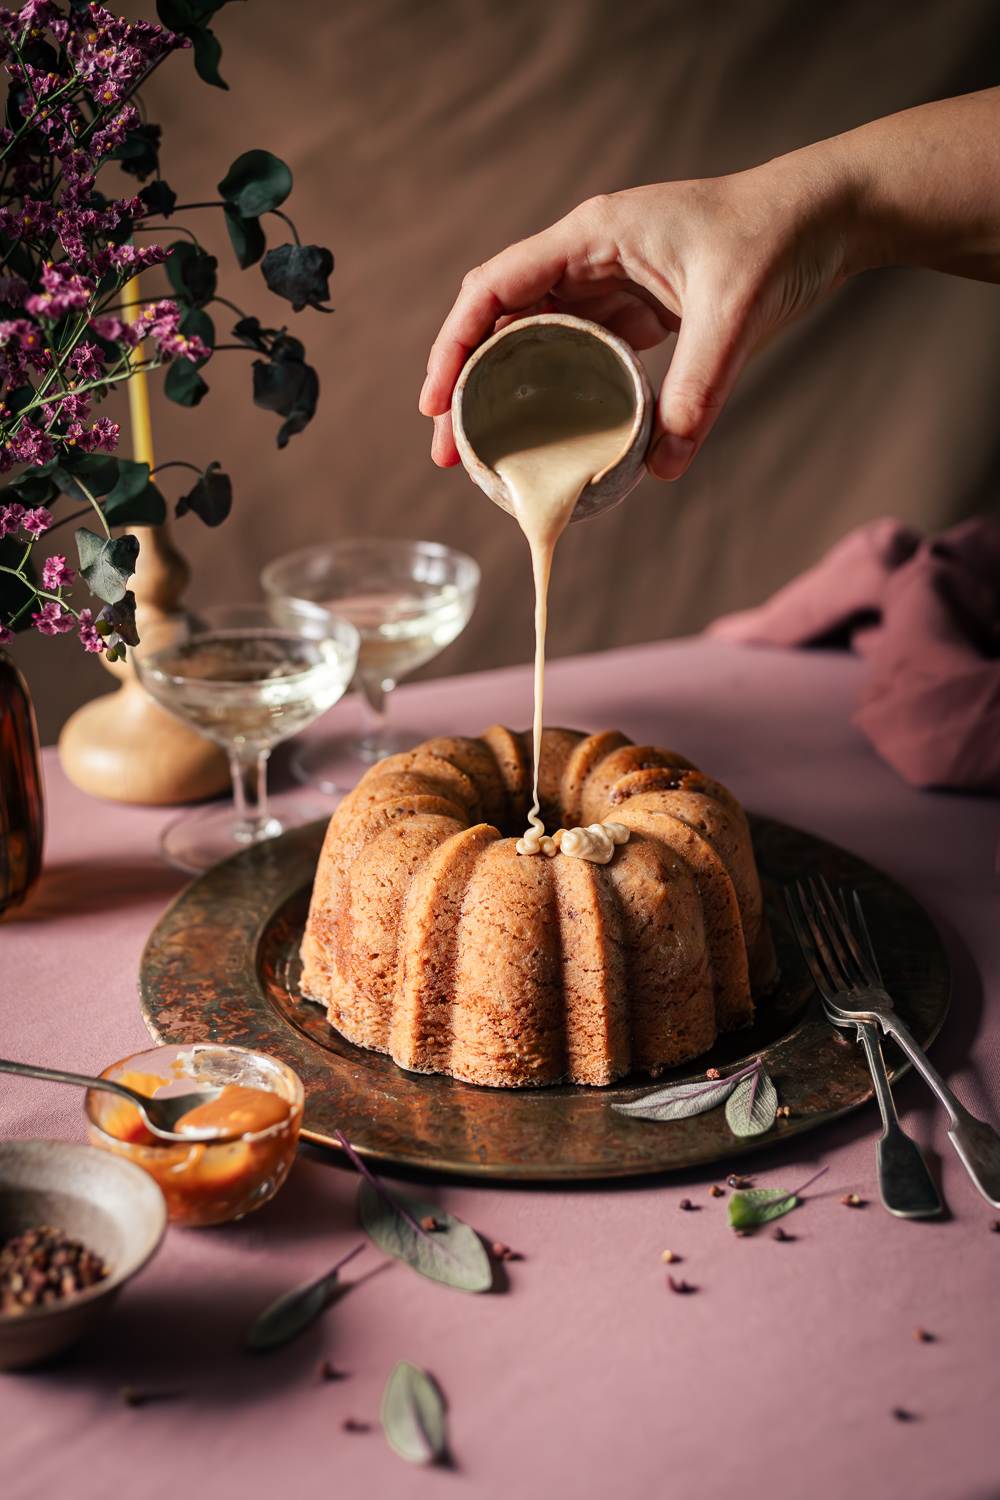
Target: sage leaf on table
751,1207
752,1106
451,1252
292,1312
682,1100
413,1415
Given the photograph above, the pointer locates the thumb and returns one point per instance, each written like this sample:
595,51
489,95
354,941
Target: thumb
707,358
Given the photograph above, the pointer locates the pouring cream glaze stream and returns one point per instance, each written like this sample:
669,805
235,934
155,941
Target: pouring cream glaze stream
551,419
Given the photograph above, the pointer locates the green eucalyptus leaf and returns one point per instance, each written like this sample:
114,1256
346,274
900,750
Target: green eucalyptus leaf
107,563
98,471
413,1415
284,383
207,56
246,237
159,197
192,272
183,384
679,1101
35,486
300,274
752,1106
256,183
138,152
211,499
134,501
452,1254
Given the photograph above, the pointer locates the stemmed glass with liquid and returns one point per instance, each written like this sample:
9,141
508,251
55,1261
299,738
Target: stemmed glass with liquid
408,600
248,677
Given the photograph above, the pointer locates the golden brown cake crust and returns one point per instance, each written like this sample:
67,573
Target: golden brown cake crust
430,939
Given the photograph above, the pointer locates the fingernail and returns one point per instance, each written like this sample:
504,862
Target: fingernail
670,456
423,393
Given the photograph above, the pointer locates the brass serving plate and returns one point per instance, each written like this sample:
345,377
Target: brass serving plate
222,965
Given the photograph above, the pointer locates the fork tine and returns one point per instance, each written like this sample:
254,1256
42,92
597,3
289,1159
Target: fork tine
813,945
807,948
840,919
866,938
829,921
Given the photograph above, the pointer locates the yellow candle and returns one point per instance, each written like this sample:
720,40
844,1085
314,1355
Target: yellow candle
138,387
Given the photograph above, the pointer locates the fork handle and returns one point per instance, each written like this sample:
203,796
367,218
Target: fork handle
977,1144
905,1185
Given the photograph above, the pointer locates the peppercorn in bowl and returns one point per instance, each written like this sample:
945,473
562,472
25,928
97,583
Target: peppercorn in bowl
75,1225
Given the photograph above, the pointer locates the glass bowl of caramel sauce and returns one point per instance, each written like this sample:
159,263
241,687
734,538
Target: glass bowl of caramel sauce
258,1115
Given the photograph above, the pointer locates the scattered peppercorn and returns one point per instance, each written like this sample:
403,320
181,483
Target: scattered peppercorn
736,1181
504,1252
688,1206
429,1223
995,1226
783,1111
351,1424
922,1336
670,1258
782,1234
44,1265
716,1191
680,1286
742,1234
852,1200
713,1073
329,1371
131,1396
902,1415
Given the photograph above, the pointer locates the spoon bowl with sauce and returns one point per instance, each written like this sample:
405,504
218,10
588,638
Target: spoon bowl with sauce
232,1152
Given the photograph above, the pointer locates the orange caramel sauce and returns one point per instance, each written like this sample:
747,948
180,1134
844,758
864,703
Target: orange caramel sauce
207,1183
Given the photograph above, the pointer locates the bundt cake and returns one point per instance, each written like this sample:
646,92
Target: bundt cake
431,939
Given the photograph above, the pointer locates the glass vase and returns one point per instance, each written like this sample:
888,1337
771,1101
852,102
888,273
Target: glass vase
22,808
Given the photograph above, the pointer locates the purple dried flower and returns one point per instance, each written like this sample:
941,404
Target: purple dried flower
102,437
30,445
36,521
11,517
6,635
52,619
65,291
56,572
89,638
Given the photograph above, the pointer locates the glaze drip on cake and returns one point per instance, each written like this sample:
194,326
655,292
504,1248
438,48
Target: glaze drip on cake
596,843
553,439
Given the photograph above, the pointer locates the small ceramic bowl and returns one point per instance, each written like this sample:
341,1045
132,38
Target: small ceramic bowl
109,1205
550,346
202,1183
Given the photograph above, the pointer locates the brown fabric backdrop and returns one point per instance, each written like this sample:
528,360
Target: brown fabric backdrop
426,134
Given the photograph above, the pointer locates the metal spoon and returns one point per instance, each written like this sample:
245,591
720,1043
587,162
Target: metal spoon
159,1115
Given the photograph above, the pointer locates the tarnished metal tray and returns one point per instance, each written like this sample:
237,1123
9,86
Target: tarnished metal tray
222,965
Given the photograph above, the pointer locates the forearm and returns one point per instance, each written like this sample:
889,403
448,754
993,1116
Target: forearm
922,187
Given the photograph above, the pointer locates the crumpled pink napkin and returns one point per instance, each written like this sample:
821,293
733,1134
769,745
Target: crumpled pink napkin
926,615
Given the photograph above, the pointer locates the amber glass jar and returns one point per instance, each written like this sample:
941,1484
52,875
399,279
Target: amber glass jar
22,812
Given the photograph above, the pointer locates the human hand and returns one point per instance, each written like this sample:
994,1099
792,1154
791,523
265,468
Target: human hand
723,263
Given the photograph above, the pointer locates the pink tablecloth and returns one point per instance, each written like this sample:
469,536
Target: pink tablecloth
586,1376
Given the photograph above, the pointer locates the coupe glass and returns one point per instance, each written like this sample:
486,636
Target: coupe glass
248,677
408,601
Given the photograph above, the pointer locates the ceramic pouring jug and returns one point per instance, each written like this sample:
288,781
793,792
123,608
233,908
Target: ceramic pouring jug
551,347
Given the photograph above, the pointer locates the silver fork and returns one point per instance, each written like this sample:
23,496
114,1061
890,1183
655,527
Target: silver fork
905,1184
851,986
